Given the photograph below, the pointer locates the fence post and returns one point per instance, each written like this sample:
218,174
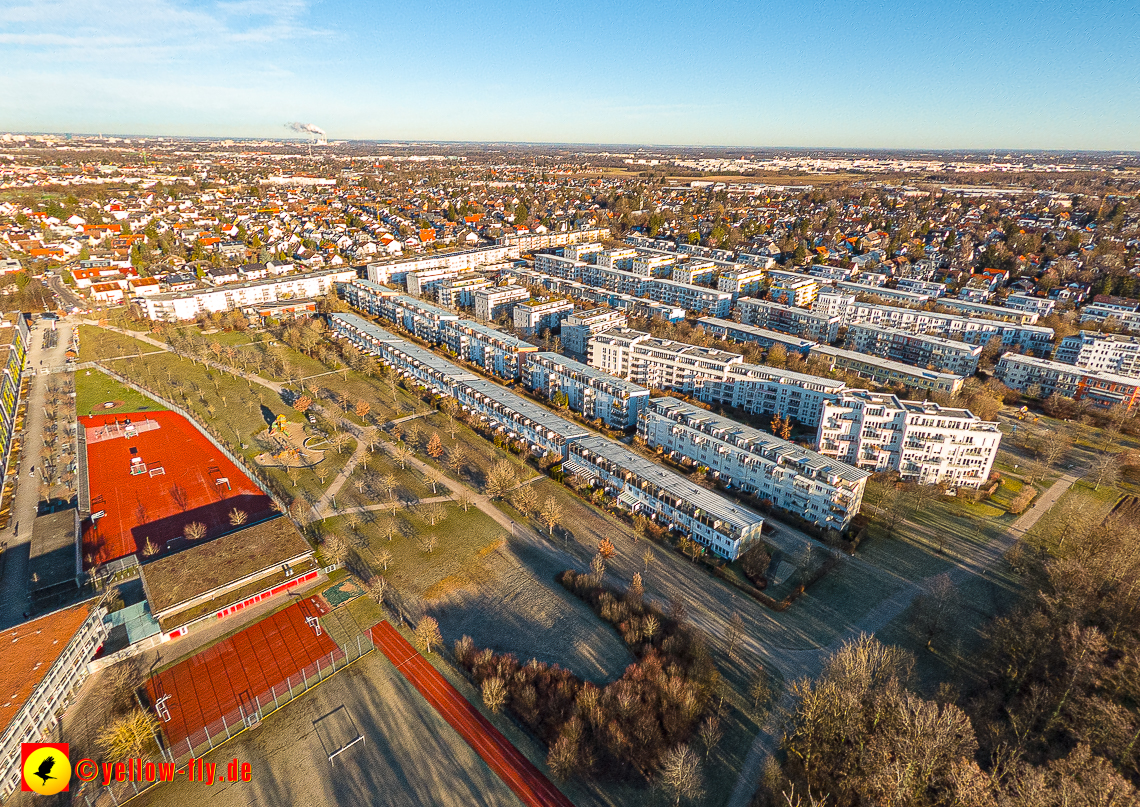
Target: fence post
304,678
207,733
273,692
226,727
257,703
289,683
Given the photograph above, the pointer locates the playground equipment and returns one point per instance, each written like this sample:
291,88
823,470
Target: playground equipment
278,426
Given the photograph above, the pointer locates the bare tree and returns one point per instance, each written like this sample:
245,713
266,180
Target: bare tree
384,557
428,542
388,484
377,588
760,690
149,548
336,549
936,609
457,458
551,514
525,499
238,517
494,694
1105,469
128,736
710,733
647,557
500,479
680,775
427,634
464,499
433,478
733,634
194,531
434,512
401,454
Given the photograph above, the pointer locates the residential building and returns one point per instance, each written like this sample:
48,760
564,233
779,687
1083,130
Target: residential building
43,663
559,266
886,372
620,258
738,332
15,332
800,292
186,305
789,319
995,312
925,288
745,281
919,349
397,271
1041,306
1101,352
519,418
591,392
459,291
533,317
698,299
898,296
423,319
492,303
659,363
1041,378
579,326
761,390
586,253
723,527
820,489
924,442
366,296
653,265
424,282
698,273
496,352
526,242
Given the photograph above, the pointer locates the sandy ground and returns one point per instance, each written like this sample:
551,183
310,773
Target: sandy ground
410,756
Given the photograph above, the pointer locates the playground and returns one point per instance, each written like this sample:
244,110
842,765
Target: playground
288,447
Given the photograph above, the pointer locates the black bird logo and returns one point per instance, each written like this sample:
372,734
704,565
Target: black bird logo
45,768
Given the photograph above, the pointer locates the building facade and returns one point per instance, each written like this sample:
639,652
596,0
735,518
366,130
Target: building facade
592,393
822,490
1041,378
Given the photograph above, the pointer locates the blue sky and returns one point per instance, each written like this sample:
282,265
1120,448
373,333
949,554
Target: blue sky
1001,75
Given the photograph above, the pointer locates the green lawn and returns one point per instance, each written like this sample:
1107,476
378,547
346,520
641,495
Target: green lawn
93,388
96,343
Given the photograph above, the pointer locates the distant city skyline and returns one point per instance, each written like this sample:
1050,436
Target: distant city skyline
1011,76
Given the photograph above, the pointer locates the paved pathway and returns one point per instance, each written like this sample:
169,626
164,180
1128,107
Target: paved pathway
14,597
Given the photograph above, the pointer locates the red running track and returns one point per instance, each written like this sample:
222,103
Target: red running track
512,767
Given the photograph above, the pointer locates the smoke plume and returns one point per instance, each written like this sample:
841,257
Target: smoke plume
306,128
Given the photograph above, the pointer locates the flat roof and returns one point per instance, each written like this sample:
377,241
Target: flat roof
527,409
676,485
886,364
53,553
1046,364
420,305
591,372
204,567
153,483
763,333
764,372
28,651
245,284
494,333
758,442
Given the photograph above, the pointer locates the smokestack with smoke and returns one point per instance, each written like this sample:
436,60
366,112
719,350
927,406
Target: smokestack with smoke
306,128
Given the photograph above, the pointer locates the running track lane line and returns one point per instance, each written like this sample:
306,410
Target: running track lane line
527,782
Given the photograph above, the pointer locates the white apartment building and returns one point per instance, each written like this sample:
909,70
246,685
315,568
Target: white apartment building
1041,306
820,489
746,281
459,291
760,390
366,296
886,372
397,271
425,281
586,253
900,296
800,292
533,317
1041,378
924,442
1126,312
559,266
698,273
711,520
525,242
44,661
994,312
424,320
698,299
1101,352
738,332
653,265
1035,339
659,363
620,258
581,325
591,392
496,352
186,305
919,349
491,303
787,318
926,288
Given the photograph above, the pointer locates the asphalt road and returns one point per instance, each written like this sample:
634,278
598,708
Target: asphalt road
14,598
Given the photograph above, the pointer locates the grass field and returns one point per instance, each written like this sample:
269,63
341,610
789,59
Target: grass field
93,388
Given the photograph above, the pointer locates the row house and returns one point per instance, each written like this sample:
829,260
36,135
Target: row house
592,393
820,489
496,352
724,528
1041,378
